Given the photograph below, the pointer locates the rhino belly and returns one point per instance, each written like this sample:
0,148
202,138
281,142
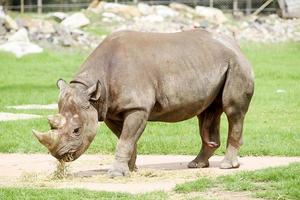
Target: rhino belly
182,105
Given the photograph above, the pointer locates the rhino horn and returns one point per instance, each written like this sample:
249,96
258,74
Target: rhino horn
56,121
47,139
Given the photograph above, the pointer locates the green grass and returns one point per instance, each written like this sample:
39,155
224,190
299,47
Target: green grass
271,183
199,185
62,194
271,127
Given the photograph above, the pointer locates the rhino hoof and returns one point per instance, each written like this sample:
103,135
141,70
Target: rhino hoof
201,164
118,171
228,164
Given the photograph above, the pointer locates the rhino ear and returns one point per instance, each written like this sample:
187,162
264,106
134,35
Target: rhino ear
94,91
61,84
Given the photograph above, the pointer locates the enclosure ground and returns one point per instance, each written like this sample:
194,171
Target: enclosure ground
155,173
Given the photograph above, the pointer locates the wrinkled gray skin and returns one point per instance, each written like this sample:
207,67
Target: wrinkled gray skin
134,77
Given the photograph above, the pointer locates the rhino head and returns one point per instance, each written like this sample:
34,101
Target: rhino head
74,127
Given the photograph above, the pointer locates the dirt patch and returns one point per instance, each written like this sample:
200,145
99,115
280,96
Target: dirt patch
33,107
155,172
4,116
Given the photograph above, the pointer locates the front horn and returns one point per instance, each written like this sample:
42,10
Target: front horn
48,139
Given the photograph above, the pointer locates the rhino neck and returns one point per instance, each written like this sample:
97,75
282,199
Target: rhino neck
101,105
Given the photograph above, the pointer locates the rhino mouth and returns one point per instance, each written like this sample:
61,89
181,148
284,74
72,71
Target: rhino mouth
68,157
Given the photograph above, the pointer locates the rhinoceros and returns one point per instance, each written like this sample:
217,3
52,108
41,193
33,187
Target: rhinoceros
135,77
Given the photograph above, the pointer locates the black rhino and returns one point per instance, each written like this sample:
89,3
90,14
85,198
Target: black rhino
135,77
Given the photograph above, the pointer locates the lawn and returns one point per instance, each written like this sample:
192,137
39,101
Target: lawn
272,183
271,127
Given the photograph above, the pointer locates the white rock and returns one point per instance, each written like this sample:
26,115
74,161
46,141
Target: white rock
20,48
165,11
108,17
58,16
181,7
76,20
8,21
2,14
211,14
111,6
19,36
145,9
151,18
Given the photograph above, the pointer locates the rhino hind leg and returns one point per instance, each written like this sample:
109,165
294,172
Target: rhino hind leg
209,127
237,94
116,128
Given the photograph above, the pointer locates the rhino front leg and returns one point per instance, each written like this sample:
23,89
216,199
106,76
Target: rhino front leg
133,126
116,128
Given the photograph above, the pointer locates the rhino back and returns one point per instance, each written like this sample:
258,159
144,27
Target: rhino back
173,76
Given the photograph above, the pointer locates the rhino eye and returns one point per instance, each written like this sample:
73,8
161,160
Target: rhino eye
76,131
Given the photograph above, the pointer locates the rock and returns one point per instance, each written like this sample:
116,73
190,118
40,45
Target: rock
36,25
2,30
165,11
109,17
19,36
2,27
151,18
20,48
144,9
58,16
64,36
182,8
7,21
10,24
211,14
76,20
94,4
126,11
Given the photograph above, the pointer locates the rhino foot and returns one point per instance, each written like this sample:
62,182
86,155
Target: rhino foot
133,168
199,164
229,164
118,169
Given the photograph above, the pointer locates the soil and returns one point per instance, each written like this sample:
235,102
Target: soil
155,172
34,107
4,116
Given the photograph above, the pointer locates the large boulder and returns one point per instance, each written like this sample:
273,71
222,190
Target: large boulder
36,25
20,48
212,14
145,9
7,21
19,44
58,16
19,36
165,11
182,8
76,20
122,10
